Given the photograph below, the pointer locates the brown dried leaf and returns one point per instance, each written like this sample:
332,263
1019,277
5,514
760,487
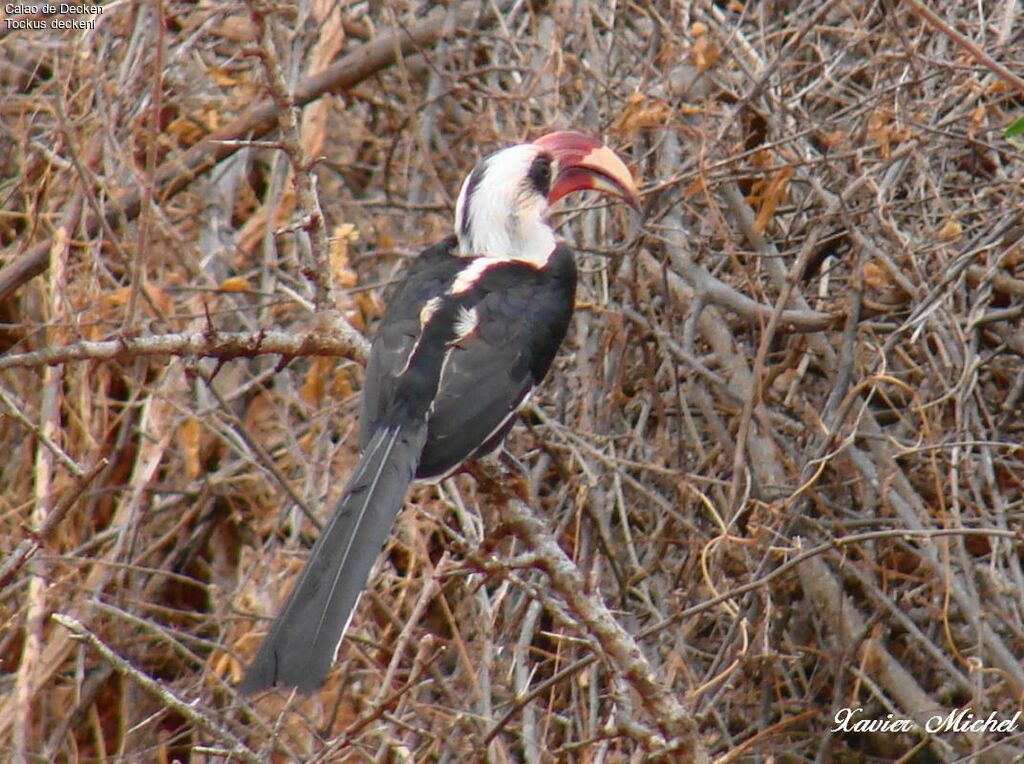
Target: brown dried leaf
704,53
835,139
158,298
876,275
368,307
235,284
697,188
342,238
315,383
344,382
263,420
884,131
189,437
641,112
238,28
880,130
113,303
223,77
950,230
186,131
193,127
773,194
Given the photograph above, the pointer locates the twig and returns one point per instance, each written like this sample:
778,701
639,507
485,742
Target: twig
161,694
14,410
26,549
739,591
717,292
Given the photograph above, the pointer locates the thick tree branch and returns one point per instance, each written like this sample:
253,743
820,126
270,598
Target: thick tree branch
210,344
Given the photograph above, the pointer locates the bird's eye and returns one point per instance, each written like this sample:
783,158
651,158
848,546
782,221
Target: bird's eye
540,174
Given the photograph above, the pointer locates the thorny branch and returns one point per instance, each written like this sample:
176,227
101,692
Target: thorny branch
209,344
313,230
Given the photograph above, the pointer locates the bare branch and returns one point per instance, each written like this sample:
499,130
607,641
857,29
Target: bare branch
619,647
165,697
212,344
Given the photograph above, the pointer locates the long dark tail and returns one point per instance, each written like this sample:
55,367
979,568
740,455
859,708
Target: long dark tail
300,647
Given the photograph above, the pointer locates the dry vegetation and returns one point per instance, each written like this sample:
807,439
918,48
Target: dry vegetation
781,445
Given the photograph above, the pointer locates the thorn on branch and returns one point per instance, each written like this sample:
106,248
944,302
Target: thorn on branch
283,362
211,331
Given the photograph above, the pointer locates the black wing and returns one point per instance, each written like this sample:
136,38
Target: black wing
465,351
520,314
400,330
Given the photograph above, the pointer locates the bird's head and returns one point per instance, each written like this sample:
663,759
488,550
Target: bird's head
502,206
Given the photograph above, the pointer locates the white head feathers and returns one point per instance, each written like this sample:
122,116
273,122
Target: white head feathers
500,211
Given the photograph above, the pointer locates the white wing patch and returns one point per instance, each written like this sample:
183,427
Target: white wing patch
430,307
466,323
470,275
428,310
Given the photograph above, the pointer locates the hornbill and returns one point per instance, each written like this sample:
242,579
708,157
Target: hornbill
466,336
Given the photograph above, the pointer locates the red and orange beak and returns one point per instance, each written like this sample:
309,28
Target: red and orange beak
584,163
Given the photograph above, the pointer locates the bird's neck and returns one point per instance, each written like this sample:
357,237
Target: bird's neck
494,233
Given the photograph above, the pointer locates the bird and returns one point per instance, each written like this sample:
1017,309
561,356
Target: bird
468,333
